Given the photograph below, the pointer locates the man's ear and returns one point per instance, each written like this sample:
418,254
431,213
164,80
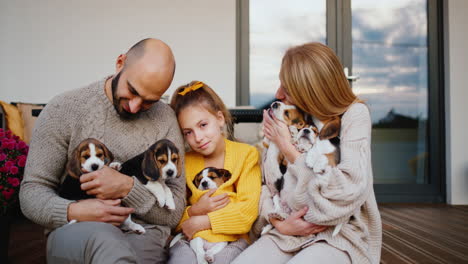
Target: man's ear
331,128
120,63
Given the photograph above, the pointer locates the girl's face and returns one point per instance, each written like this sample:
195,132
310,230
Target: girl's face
202,130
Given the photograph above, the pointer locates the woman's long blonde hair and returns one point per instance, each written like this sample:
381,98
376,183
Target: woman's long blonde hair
313,77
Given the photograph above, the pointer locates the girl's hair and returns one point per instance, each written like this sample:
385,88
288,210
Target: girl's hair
313,77
198,93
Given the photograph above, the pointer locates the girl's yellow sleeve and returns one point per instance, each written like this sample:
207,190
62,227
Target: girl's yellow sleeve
238,216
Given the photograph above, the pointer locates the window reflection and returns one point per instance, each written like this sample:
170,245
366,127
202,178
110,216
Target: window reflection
390,55
275,26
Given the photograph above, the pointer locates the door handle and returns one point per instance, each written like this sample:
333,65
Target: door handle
351,78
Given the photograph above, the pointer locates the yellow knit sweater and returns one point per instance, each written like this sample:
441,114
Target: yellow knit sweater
235,220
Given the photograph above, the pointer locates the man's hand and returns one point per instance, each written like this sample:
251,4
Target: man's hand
295,225
106,183
195,224
107,211
207,203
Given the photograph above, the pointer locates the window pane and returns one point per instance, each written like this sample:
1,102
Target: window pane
390,54
275,26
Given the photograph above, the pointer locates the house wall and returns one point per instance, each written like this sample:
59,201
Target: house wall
456,59
51,46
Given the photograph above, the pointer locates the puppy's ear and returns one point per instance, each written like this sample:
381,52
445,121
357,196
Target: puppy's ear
74,164
331,128
196,180
225,174
148,166
109,157
179,166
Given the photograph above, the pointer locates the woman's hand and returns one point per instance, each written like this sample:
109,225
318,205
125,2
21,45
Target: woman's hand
295,225
207,204
195,224
275,130
278,133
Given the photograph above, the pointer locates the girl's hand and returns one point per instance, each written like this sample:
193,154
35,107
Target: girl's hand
278,133
195,224
295,225
207,204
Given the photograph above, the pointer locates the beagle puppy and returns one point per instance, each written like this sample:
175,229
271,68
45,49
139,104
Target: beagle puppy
159,163
208,178
90,155
325,150
274,164
321,142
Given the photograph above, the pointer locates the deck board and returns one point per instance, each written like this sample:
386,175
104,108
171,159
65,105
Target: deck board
412,233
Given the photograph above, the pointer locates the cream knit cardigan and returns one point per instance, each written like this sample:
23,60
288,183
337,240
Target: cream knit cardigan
349,197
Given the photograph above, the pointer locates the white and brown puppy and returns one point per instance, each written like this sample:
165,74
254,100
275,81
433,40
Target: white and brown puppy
325,150
206,179
90,155
274,164
159,163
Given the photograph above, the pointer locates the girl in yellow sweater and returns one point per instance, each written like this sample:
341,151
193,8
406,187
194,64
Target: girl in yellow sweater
226,213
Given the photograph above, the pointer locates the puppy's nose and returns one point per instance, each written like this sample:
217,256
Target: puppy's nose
306,131
170,173
275,105
204,184
94,166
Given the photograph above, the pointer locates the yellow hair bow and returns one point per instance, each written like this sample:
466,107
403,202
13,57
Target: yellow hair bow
190,88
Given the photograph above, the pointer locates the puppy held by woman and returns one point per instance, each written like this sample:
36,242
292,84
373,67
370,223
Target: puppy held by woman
312,79
226,213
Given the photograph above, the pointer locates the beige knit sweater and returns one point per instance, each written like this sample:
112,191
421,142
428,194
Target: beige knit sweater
349,197
87,112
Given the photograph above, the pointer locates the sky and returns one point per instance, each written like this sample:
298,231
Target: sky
389,49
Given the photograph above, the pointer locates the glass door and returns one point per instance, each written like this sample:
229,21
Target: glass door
392,48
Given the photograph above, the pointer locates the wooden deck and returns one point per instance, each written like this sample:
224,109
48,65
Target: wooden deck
412,233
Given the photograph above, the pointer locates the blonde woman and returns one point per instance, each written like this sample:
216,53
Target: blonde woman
312,79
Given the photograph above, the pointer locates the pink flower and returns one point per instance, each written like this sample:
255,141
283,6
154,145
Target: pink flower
22,161
9,163
2,134
1,187
8,134
3,156
11,145
14,170
20,145
4,169
13,181
8,193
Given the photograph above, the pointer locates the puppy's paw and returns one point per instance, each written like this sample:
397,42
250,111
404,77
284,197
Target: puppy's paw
266,229
138,229
277,215
116,165
209,258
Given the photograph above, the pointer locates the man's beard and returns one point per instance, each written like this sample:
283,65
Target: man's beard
116,101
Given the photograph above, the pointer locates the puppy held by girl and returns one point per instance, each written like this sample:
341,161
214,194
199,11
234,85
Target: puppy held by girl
227,212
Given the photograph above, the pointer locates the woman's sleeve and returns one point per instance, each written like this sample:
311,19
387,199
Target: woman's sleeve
349,183
238,216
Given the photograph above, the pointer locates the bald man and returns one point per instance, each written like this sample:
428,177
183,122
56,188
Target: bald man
124,112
